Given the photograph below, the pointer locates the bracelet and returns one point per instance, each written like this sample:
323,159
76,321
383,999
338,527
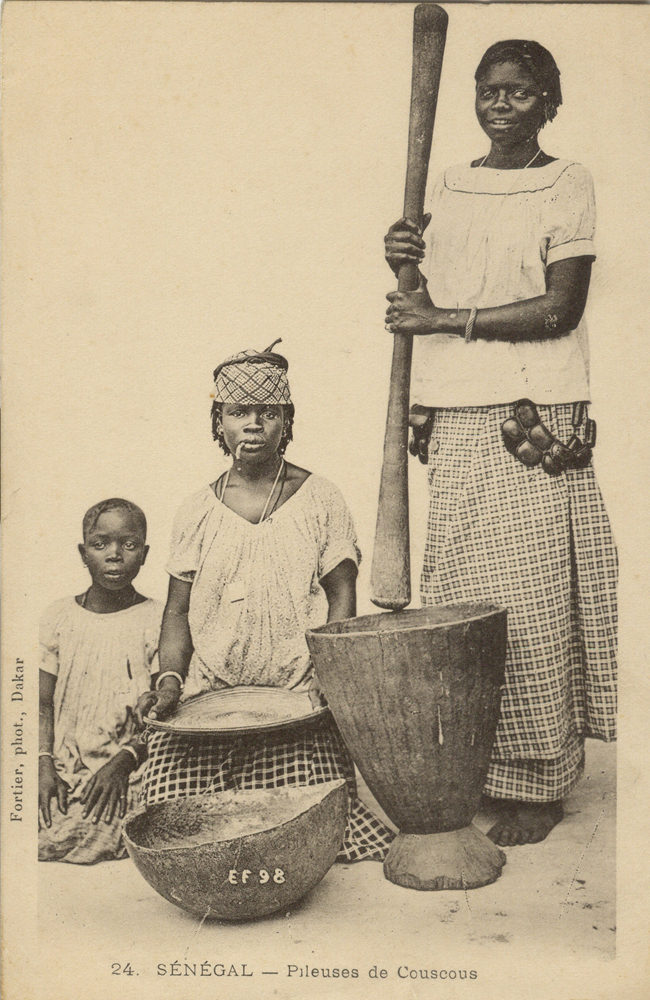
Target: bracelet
133,751
45,753
170,673
469,327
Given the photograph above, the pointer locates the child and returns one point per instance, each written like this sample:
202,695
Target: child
97,654
521,521
259,556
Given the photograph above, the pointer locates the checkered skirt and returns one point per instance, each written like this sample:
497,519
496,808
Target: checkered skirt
542,547
180,766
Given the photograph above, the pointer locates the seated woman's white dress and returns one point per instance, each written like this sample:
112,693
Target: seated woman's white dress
255,591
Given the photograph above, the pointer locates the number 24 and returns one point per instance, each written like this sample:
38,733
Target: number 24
121,970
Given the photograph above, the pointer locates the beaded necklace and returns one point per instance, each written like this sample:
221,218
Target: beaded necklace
268,501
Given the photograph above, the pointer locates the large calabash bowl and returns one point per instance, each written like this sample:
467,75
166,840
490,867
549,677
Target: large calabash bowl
239,855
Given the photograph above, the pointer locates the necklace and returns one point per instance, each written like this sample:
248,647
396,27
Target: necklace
277,499
84,601
529,164
268,501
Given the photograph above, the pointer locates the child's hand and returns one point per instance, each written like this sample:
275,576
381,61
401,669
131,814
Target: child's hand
157,704
51,786
105,793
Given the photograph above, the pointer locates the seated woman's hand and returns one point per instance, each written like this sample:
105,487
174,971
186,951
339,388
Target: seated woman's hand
403,243
412,312
316,696
105,794
158,704
50,786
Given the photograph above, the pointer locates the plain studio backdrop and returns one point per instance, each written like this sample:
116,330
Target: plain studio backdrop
182,180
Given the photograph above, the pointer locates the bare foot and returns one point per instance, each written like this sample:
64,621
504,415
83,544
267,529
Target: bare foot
524,822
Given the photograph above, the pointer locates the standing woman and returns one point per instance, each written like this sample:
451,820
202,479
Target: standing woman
501,369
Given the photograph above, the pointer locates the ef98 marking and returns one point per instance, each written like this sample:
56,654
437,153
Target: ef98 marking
260,877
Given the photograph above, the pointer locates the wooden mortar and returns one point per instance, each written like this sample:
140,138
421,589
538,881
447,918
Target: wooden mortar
416,695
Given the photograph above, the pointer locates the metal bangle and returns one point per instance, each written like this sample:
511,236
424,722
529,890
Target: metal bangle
469,327
133,751
170,673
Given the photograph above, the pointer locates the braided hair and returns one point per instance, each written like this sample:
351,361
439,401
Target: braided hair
287,433
534,58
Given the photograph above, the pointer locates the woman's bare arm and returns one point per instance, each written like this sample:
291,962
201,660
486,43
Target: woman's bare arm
174,653
340,586
175,650
546,316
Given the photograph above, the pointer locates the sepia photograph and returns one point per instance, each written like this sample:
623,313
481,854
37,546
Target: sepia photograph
324,500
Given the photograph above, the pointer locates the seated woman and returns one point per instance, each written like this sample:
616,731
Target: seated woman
257,557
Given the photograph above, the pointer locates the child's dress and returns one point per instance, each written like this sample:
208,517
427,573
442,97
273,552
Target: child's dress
102,663
255,591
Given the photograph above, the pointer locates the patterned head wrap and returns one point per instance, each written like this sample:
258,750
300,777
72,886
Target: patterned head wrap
253,377
533,57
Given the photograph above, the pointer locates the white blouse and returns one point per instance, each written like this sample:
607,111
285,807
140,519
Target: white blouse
256,587
102,663
492,235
